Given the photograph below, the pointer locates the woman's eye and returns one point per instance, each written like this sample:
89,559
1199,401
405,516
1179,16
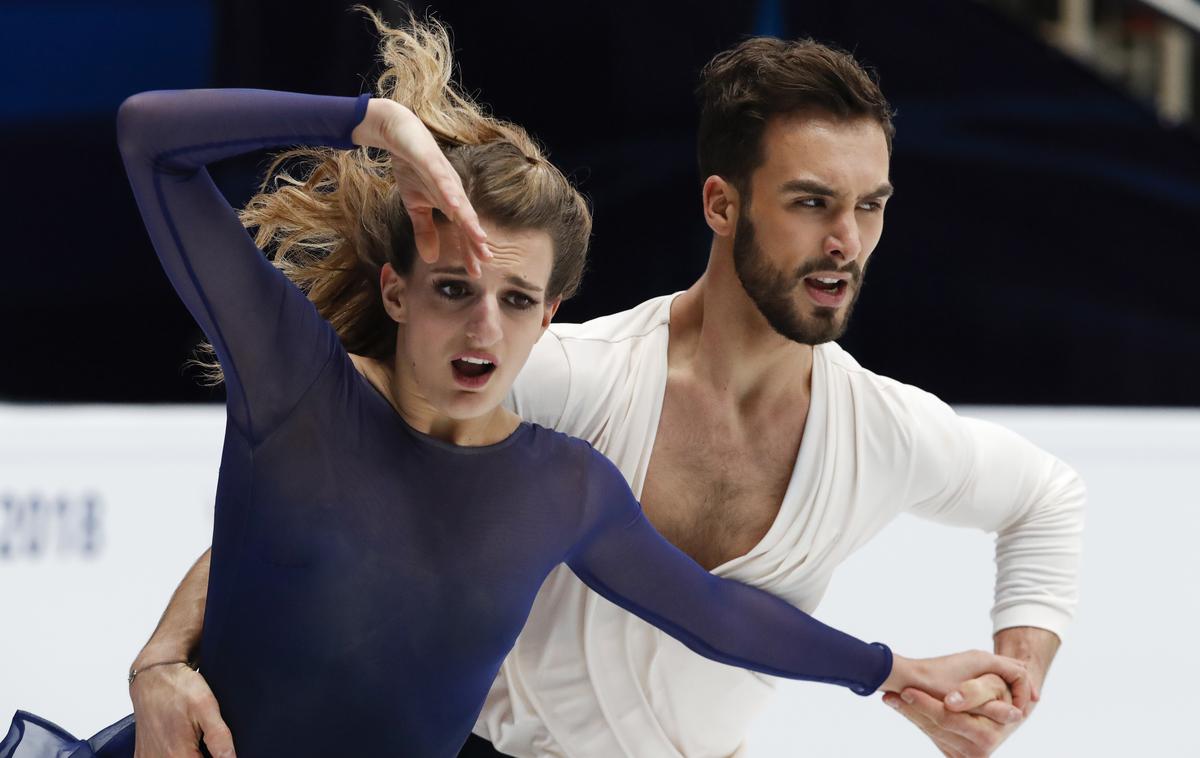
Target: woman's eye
451,290
519,300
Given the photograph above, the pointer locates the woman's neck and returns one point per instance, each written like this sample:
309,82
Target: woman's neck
401,392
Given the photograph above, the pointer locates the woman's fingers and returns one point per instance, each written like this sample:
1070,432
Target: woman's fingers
988,696
433,184
1017,676
456,206
999,711
427,180
425,233
975,692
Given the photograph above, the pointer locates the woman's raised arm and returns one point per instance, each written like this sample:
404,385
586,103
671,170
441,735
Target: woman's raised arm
268,337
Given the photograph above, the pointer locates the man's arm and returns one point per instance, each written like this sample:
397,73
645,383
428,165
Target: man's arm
173,704
178,632
981,475
1035,647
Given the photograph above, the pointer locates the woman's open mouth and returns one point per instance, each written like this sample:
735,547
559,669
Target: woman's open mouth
472,371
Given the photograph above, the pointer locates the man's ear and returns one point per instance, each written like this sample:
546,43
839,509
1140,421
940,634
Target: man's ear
549,309
721,206
394,289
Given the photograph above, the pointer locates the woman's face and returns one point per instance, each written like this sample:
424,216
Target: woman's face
466,339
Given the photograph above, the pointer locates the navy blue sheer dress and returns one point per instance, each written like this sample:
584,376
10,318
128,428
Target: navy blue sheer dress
367,580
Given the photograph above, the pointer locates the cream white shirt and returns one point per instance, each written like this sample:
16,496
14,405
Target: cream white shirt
588,680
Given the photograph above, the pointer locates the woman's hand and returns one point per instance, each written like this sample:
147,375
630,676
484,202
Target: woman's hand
424,179
174,710
950,675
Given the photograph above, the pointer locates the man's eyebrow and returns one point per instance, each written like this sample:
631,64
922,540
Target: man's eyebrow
807,186
519,281
884,190
812,187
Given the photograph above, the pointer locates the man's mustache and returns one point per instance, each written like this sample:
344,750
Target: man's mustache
815,268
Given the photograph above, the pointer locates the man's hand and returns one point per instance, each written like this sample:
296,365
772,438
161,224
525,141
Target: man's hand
942,676
175,709
957,734
173,705
962,728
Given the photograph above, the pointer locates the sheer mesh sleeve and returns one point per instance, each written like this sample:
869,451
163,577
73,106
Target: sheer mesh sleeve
626,561
269,338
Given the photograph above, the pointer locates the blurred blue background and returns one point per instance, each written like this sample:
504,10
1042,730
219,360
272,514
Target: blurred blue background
1041,249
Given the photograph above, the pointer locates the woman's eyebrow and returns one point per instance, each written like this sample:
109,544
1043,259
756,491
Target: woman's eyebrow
460,270
519,281
522,282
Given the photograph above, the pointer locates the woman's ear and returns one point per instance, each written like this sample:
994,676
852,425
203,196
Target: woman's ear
394,289
549,309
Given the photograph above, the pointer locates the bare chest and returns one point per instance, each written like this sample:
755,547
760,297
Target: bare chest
714,484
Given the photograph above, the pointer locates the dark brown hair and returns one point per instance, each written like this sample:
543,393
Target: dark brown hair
743,87
330,219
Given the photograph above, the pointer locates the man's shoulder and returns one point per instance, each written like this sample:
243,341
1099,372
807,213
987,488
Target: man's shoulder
574,367
848,378
639,321
902,428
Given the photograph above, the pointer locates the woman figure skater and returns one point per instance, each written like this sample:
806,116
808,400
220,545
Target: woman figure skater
383,522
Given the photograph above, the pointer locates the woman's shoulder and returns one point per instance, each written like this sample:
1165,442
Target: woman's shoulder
587,468
552,447
548,442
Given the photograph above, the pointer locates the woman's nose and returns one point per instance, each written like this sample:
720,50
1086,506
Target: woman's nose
483,328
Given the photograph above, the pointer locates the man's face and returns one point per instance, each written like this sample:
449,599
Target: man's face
814,216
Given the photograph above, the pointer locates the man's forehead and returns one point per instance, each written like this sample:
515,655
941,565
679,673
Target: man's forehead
846,154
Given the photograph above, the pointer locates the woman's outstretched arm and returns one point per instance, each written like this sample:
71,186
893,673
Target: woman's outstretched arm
625,560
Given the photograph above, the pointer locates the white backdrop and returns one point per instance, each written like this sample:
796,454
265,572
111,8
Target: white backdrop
102,509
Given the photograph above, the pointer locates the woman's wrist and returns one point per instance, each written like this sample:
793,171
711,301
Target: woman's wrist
378,123
904,674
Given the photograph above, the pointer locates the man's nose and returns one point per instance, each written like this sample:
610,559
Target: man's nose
483,328
844,241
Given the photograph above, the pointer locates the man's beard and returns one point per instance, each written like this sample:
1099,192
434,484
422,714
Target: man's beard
774,291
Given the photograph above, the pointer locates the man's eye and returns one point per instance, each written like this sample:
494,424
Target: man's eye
811,202
870,205
451,290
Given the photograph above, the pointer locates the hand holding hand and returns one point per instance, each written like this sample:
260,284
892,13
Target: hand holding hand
969,729
943,676
424,178
971,721
175,709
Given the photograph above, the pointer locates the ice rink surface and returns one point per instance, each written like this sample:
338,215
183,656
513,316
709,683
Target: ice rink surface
103,508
